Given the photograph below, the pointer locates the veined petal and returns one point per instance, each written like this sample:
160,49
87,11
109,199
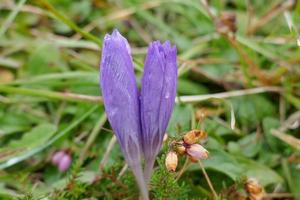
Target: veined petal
157,96
169,88
120,95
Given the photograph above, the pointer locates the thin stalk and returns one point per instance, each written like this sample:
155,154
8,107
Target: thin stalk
208,180
69,23
123,170
92,136
138,173
223,95
185,165
11,17
50,94
107,152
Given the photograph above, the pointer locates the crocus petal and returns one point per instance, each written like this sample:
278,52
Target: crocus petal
120,95
157,98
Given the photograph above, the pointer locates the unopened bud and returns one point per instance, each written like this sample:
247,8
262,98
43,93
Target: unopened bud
197,152
194,136
64,163
165,137
253,187
180,148
57,156
171,161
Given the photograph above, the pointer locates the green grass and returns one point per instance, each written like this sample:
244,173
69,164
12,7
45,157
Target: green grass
246,85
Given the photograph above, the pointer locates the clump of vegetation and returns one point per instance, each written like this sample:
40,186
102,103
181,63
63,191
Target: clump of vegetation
164,185
238,81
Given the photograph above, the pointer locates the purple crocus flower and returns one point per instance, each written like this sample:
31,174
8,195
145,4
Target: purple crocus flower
138,120
157,99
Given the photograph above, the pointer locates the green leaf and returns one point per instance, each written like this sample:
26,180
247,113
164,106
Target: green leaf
223,162
13,122
250,110
236,167
180,120
44,59
37,136
274,143
250,145
188,87
262,173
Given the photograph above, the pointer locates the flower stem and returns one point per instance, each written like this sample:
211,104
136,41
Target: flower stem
149,163
138,173
185,165
208,180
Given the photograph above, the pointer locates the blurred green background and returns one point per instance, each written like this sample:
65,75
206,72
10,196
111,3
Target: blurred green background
246,52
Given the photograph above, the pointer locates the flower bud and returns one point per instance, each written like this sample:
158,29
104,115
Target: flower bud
64,163
171,161
180,148
57,156
253,187
194,136
165,137
197,152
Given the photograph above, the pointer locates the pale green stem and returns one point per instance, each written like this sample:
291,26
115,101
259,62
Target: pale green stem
149,163
138,173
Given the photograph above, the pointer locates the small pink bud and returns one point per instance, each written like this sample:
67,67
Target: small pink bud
197,152
57,156
64,163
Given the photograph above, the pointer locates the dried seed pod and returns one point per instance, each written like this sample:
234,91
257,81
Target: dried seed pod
194,136
171,161
180,149
254,190
197,152
253,187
